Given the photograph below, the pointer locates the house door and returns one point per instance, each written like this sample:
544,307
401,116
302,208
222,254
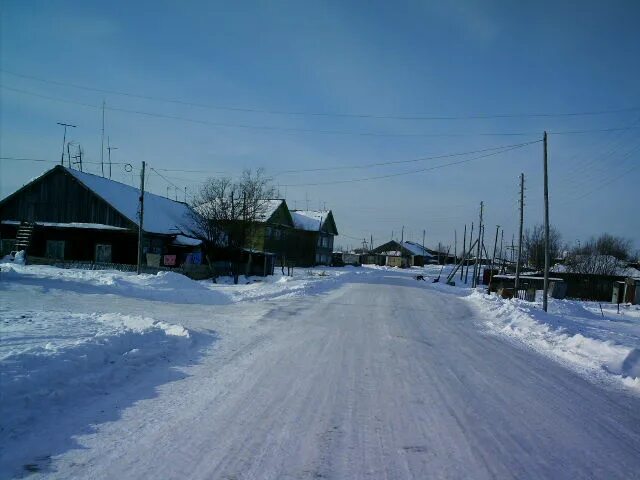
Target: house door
103,253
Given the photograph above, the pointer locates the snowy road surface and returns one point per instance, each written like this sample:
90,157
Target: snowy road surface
381,378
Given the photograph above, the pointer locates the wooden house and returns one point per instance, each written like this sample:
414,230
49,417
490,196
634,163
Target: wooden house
314,231
402,254
67,215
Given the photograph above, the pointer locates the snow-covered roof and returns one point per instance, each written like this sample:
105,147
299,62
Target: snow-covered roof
186,241
161,215
268,208
310,220
416,249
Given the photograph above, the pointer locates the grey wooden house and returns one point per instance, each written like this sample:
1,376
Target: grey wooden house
66,214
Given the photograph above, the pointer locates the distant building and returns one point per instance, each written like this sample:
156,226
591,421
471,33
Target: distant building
402,254
66,214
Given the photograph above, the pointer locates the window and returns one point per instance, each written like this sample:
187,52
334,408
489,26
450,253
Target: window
55,249
277,233
267,232
103,253
325,242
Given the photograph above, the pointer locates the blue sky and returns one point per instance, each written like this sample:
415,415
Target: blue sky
439,59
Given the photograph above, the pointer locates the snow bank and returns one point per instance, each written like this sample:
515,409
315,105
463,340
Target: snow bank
17,259
305,281
600,348
48,358
164,286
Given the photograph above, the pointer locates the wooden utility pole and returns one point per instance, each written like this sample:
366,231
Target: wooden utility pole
464,248
500,254
493,258
141,219
546,227
474,282
466,272
455,245
517,281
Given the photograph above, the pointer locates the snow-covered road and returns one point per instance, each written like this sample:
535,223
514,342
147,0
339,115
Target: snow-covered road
380,378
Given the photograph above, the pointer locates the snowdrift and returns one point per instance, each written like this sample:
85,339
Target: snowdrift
599,348
164,286
50,358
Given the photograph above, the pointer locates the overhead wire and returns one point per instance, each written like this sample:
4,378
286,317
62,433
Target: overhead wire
412,116
378,177
295,130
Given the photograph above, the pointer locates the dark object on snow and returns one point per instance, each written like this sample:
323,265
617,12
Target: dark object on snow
420,277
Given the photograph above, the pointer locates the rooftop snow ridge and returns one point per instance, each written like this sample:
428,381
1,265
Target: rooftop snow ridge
310,220
161,215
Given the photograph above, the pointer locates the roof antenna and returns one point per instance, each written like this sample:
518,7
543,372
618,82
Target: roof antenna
109,148
64,139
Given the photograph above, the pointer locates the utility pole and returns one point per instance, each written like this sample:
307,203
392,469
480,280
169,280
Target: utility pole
69,154
493,258
109,148
402,236
424,234
500,254
546,227
517,281
474,283
455,245
466,273
464,249
102,142
64,139
371,243
141,218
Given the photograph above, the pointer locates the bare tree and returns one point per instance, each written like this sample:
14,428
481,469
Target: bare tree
604,255
534,245
226,212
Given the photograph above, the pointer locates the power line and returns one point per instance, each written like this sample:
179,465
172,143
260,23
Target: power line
600,183
169,181
415,116
397,162
294,130
378,177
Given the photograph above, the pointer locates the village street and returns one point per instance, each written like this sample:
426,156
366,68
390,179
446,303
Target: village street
382,377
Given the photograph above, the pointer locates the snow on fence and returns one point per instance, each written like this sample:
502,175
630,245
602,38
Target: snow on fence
193,271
